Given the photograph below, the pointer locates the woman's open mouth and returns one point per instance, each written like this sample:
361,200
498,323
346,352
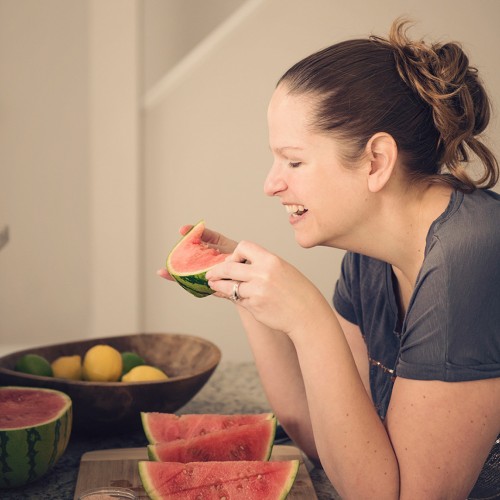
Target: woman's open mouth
295,210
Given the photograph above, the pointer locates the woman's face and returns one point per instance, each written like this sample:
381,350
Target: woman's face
324,200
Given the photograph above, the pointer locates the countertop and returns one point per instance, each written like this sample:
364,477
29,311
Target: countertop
233,388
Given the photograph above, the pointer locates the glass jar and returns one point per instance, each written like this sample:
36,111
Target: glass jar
108,493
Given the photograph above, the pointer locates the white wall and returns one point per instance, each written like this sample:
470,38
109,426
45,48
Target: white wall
69,172
114,167
206,149
173,27
44,179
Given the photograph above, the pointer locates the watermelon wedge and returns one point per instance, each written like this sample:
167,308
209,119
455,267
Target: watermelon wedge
216,480
244,442
190,259
35,427
165,427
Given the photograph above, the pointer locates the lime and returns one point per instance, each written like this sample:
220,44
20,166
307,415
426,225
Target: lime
144,373
131,360
34,364
68,367
102,363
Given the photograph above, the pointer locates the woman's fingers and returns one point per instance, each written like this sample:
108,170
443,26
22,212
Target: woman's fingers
236,275
185,229
246,251
163,273
212,239
217,240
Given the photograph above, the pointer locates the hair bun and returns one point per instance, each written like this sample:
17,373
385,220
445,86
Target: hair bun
440,74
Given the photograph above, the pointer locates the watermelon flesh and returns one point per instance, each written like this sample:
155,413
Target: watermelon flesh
165,427
196,255
244,442
190,259
35,427
240,480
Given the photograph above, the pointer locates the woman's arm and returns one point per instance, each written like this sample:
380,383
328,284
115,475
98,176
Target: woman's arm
353,445
442,433
358,348
276,360
279,372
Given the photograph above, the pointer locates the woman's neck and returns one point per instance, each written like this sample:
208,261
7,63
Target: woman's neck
401,226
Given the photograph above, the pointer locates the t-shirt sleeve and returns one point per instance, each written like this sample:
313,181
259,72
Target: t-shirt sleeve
342,296
452,328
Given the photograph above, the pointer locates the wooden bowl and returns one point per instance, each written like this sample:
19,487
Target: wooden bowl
114,407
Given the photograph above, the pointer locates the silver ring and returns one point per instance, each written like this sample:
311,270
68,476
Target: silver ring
235,296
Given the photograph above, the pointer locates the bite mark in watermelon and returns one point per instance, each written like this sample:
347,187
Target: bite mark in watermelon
35,427
243,442
190,259
215,480
165,427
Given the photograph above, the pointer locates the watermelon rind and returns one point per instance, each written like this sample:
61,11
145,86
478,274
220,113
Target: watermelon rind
27,453
173,426
194,282
199,480
291,479
244,442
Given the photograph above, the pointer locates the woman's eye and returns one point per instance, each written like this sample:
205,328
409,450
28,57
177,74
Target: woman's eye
294,164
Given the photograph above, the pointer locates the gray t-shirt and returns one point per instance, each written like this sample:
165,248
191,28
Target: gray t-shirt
451,330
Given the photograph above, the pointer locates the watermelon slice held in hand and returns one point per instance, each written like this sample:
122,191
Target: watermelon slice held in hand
190,259
243,442
164,427
241,480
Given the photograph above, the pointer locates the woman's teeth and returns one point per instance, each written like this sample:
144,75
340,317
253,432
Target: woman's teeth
295,210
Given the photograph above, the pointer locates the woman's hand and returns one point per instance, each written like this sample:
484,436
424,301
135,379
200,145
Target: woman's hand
211,238
274,291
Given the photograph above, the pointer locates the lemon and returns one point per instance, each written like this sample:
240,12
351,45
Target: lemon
130,360
144,373
68,367
102,363
34,364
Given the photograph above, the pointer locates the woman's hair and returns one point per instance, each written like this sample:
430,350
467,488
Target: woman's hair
426,97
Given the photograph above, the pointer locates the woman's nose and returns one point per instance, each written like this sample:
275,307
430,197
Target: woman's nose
274,183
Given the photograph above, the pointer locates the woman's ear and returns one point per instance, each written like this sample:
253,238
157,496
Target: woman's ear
382,152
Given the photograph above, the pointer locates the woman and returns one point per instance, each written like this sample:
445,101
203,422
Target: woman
396,391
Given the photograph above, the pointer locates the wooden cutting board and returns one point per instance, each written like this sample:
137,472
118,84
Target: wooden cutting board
118,467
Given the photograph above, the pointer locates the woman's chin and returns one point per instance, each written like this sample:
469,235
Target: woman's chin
305,242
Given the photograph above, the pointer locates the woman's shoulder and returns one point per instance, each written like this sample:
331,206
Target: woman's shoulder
481,203
470,227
